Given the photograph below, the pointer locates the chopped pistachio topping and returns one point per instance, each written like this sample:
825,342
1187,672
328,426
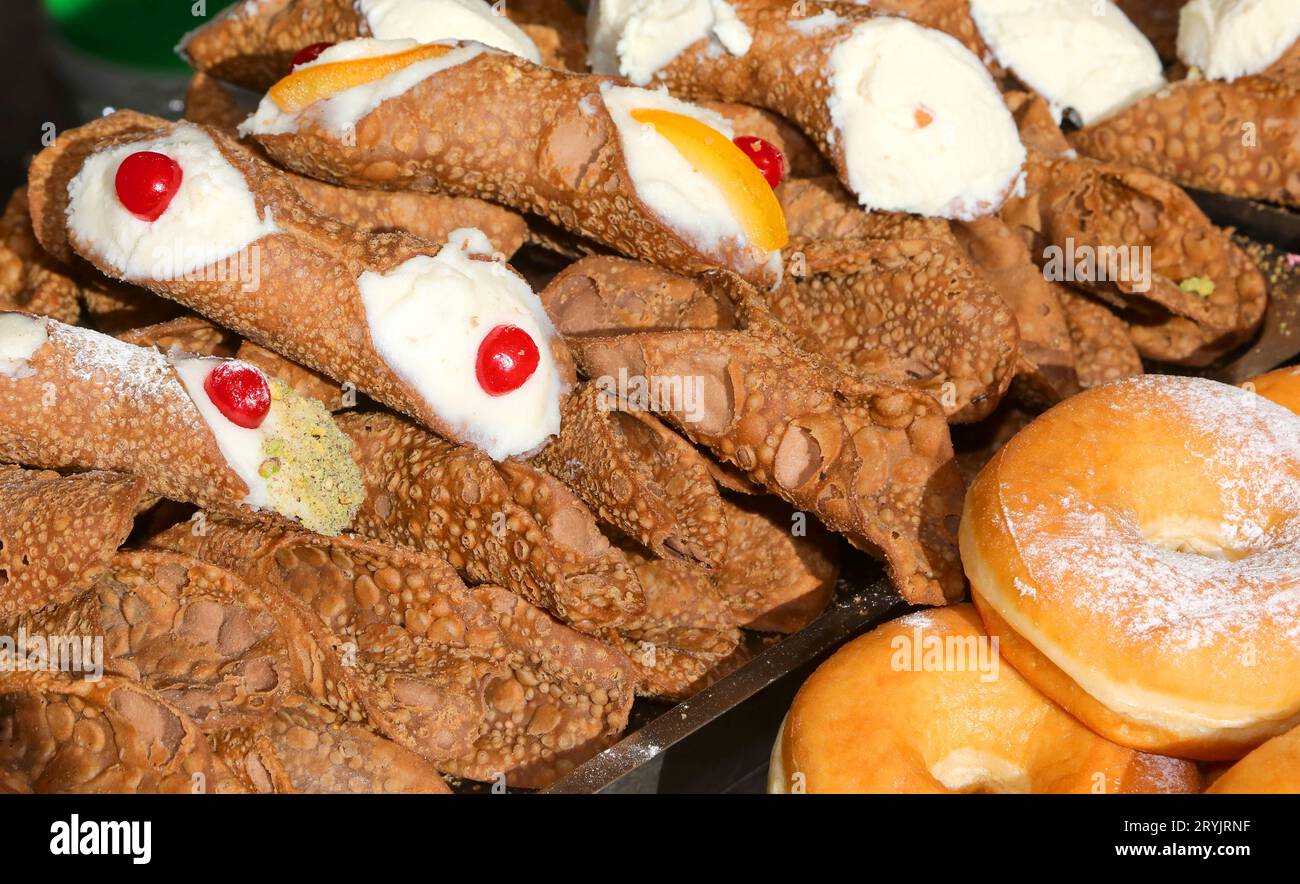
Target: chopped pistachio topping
1198,285
309,467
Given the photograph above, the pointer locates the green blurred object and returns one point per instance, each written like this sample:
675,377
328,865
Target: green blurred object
137,33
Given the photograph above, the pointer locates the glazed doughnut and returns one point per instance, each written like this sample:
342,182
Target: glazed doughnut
1281,386
1273,768
924,704
1137,550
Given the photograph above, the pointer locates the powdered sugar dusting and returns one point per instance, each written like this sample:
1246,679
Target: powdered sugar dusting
138,374
1241,590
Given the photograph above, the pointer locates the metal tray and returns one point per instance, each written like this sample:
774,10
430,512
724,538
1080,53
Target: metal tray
719,740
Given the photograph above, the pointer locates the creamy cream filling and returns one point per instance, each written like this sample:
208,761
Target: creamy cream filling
1077,54
921,123
683,197
1227,39
212,217
636,38
242,447
429,21
21,336
427,318
340,113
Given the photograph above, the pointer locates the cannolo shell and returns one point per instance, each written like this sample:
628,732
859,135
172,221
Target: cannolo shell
57,533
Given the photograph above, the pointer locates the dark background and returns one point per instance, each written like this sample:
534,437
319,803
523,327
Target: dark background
33,96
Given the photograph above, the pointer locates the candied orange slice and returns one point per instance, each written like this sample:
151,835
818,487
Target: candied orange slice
308,85
743,186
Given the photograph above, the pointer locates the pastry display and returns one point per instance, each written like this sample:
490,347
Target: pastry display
466,397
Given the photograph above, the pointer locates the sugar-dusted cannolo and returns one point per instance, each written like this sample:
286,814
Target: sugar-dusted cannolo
446,334
214,432
256,42
305,746
194,634
127,739
57,533
638,476
871,459
781,565
496,523
884,98
383,635
31,280
632,169
1232,125
430,215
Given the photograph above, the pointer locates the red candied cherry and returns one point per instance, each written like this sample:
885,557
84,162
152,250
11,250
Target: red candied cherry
240,392
765,155
308,53
506,359
146,182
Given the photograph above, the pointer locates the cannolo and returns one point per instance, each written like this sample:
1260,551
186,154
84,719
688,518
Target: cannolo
635,170
912,312
1133,237
885,99
31,280
308,747
1237,138
429,215
1099,339
851,302
567,697
1233,124
687,637
871,459
193,633
379,634
638,476
605,294
60,733
781,566
57,533
514,528
214,432
1047,373
256,42
447,335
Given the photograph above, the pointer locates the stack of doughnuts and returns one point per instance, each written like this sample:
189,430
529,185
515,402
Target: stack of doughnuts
1134,553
